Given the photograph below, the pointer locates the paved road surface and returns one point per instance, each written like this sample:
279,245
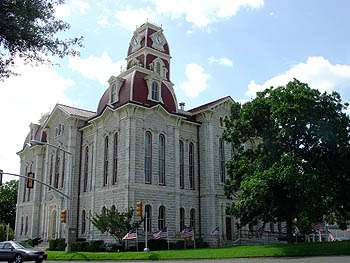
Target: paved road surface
340,259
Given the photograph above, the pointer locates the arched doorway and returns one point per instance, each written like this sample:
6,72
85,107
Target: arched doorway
52,225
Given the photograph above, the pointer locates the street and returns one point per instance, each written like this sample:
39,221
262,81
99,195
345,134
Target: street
333,259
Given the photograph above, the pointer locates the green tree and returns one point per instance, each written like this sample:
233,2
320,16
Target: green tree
291,158
115,223
8,201
28,29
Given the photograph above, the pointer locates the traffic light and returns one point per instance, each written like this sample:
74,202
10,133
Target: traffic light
63,216
30,181
139,209
1,171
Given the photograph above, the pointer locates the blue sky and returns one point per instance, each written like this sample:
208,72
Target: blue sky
218,48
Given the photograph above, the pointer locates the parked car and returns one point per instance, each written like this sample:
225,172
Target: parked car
12,251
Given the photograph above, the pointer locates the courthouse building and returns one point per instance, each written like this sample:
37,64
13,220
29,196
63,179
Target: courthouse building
139,145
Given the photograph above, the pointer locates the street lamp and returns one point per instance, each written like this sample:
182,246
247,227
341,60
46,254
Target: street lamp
69,231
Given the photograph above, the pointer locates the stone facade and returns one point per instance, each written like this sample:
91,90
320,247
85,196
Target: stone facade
97,176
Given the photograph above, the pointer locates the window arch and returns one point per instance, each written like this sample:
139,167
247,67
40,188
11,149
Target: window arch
86,168
148,157
222,159
161,218
182,166
115,159
161,157
193,218
148,218
191,165
155,91
83,221
105,163
182,218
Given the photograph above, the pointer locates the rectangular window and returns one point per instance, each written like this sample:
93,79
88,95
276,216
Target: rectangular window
222,160
148,158
182,219
115,159
228,228
63,169
105,165
182,167
161,159
86,169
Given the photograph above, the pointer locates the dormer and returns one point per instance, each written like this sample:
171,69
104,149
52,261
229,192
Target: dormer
115,84
158,67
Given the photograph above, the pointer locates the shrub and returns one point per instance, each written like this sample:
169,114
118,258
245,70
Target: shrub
57,244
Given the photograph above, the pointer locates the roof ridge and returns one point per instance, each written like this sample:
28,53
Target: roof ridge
60,104
208,103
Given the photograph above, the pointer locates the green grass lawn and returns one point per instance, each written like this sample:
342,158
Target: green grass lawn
310,249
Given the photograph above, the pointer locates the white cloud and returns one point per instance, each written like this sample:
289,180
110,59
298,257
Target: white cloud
201,13
130,18
73,6
220,61
96,68
197,80
23,99
103,21
318,72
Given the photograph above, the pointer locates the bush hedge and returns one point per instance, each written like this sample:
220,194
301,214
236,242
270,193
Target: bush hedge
57,244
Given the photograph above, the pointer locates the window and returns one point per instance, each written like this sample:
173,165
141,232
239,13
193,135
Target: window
193,218
26,226
272,227
148,158
148,220
191,165
104,210
113,208
105,163
182,218
25,184
113,93
228,228
115,159
221,122
92,162
51,170
29,190
86,168
182,169
158,67
155,91
161,218
279,227
222,160
83,222
22,225
57,169
63,169
161,159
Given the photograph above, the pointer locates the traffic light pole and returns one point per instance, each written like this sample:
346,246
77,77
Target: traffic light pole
40,182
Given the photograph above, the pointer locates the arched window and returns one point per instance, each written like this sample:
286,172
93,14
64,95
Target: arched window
182,166
148,157
83,222
63,169
193,218
115,159
51,170
161,218
182,218
191,165
57,169
105,163
25,184
148,218
113,208
26,226
158,67
155,91
29,189
161,171
86,168
222,159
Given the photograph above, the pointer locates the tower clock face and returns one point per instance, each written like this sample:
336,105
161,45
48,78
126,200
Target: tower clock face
158,41
136,41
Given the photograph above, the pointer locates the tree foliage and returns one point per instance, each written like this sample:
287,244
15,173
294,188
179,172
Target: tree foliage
28,30
8,201
115,223
291,161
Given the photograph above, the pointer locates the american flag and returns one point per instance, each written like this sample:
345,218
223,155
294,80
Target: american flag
131,235
215,232
187,232
161,234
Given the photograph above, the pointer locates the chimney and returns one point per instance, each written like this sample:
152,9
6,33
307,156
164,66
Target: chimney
182,106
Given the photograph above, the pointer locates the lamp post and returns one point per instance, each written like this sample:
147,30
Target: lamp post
69,230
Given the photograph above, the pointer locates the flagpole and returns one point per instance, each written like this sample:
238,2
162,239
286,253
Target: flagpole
146,237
